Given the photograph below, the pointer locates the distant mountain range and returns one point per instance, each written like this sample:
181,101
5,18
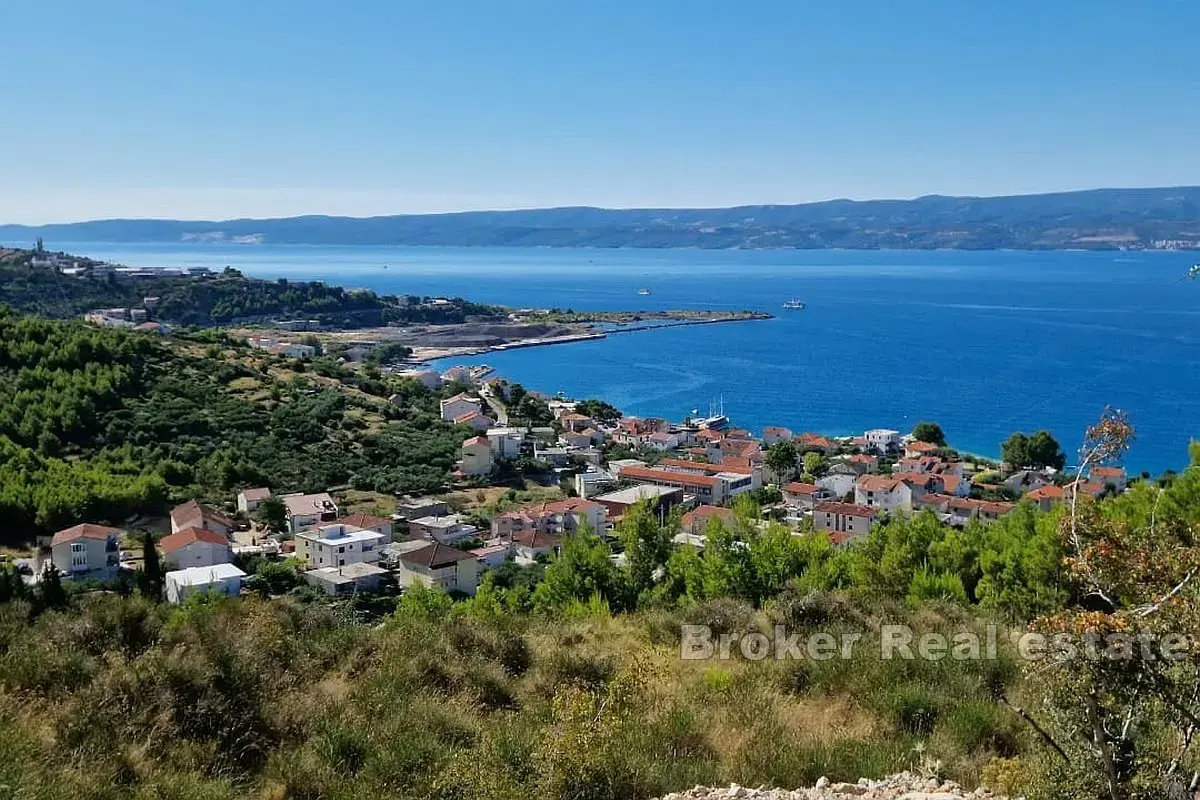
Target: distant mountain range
1101,219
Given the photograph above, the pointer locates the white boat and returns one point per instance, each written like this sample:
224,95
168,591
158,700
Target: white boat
643,292
794,303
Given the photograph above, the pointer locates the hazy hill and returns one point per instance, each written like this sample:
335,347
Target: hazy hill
1100,219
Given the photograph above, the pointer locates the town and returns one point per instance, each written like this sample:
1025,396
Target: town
694,476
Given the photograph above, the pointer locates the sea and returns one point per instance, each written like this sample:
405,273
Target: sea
984,343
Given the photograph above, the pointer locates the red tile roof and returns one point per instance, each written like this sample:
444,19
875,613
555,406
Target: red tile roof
1047,492
813,440
256,494
703,514
878,483
175,541
479,440
365,521
666,476
705,467
797,487
921,447
574,505
436,555
1109,472
191,511
84,531
536,540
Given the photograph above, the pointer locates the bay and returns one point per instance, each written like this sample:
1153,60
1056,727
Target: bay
985,343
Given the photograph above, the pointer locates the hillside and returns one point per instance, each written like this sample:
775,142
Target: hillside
225,298
1095,219
105,425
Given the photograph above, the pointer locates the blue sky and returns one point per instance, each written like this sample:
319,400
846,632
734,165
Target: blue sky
224,108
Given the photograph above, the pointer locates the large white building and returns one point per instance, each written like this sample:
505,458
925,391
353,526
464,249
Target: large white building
882,493
196,547
337,545
882,439
220,578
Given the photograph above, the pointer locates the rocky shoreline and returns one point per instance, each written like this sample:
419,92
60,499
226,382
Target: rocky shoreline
904,786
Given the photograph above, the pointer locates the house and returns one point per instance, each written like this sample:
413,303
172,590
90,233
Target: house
416,507
1027,480
920,483
369,522
337,544
1110,476
445,529
574,422
436,564
460,404
426,377
963,509
196,547
753,472
196,515
180,584
506,442
920,464
813,442
915,448
153,327
562,516
87,551
459,374
476,456
584,438
663,498
474,419
696,522
305,511
357,577
843,522
662,441
801,495
248,500
774,433
491,556
594,481
882,493
1047,496
527,546
709,489
882,440
838,484
861,463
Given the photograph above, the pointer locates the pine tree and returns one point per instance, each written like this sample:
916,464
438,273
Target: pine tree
152,573
51,593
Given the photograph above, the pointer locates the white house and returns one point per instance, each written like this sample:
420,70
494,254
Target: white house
445,529
458,405
775,433
476,456
196,547
248,500
842,521
436,564
305,511
357,577
882,493
87,551
221,578
882,439
662,441
369,522
837,484
337,545
475,419
506,442
426,377
801,495
528,545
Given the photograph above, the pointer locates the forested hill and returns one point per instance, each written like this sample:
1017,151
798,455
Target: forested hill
101,425
225,298
1095,219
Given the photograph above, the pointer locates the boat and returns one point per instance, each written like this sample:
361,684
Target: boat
1193,272
794,303
643,292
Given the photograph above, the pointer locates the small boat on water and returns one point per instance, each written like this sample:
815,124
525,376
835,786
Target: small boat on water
794,303
643,292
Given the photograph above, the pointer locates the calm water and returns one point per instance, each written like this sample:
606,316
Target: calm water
983,343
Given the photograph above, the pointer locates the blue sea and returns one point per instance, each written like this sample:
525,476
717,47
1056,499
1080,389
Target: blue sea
985,343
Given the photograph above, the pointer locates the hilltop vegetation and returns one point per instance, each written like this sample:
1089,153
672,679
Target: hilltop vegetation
101,425
227,298
1098,219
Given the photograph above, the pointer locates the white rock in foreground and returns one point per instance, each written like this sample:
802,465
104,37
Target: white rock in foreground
904,786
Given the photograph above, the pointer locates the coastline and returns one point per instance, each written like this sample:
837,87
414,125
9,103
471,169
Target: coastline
424,355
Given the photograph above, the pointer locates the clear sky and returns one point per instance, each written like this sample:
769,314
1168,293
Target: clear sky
226,108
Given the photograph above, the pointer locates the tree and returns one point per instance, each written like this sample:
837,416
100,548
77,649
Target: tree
51,593
781,458
647,546
1039,450
929,432
151,581
815,464
272,514
598,410
582,570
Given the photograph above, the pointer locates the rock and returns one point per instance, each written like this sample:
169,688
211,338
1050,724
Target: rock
822,782
902,786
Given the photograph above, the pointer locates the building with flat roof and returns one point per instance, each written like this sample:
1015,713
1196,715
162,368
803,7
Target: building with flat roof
618,502
337,545
224,579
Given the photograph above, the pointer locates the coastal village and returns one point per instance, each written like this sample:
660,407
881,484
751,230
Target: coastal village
692,472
